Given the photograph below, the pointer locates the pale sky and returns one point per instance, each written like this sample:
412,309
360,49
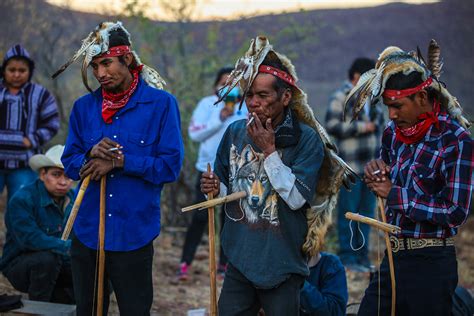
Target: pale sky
226,9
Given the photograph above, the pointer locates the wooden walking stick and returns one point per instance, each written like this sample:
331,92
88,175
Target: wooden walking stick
212,254
75,208
217,201
100,278
392,229
380,205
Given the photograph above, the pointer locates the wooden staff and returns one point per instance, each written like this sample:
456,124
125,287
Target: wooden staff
380,205
392,229
75,208
100,278
209,203
212,253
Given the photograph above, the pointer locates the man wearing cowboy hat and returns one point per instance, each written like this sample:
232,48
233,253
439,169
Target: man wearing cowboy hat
35,260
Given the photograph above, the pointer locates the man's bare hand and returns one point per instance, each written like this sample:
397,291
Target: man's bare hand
97,168
27,143
106,149
263,137
225,113
381,188
210,183
376,171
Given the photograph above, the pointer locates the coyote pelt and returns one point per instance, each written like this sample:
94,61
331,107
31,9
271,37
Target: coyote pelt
334,171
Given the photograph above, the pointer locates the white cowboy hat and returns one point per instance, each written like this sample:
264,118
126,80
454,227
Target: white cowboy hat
52,158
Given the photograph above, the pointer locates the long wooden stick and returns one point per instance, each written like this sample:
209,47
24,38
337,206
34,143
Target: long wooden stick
212,254
100,278
75,208
380,205
388,228
214,202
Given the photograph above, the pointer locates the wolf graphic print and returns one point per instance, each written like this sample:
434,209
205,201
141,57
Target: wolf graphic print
247,173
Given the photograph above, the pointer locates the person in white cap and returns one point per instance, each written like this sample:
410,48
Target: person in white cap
35,260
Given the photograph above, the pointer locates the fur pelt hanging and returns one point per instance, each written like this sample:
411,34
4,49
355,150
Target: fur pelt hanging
96,43
392,60
333,173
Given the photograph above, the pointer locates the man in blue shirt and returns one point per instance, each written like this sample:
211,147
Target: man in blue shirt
35,260
128,131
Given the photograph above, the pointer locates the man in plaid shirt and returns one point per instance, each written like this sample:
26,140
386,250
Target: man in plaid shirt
425,172
358,143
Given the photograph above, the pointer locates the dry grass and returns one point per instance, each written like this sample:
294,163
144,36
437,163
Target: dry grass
176,298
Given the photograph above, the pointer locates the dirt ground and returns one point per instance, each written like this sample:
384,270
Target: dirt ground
172,297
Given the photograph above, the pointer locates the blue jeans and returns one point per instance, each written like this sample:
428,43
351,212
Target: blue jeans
359,200
15,179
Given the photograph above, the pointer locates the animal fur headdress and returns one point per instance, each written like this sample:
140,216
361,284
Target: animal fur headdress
371,85
334,171
98,43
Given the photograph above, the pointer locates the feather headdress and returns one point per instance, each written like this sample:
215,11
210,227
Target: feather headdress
97,43
393,60
334,171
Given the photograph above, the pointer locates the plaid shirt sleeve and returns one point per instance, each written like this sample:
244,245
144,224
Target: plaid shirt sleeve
335,125
450,206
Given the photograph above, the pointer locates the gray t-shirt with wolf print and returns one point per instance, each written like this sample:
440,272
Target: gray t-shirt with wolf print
262,237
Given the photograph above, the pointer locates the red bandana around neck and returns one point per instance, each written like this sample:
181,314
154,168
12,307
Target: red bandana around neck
112,102
415,133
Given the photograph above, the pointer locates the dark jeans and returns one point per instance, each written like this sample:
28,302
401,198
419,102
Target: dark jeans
129,272
197,227
45,276
240,297
359,200
425,282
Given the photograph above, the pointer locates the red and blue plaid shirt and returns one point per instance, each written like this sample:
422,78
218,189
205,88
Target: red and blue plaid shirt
432,180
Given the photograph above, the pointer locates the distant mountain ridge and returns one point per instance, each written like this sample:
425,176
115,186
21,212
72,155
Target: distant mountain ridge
323,43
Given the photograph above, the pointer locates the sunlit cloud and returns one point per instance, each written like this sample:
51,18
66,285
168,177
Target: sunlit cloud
224,9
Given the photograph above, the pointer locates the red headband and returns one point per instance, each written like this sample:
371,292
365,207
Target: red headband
116,51
397,94
286,77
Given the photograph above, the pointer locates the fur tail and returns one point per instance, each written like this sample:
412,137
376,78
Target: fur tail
319,219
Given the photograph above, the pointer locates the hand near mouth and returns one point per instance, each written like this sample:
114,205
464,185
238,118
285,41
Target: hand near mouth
262,136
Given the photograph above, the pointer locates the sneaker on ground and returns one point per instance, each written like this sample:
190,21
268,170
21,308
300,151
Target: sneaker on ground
183,274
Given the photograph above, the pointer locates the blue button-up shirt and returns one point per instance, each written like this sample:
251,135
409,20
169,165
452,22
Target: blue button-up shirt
148,128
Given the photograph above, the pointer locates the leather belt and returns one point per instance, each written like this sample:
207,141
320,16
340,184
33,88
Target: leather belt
418,243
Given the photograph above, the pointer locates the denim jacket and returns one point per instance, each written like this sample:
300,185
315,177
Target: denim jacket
35,222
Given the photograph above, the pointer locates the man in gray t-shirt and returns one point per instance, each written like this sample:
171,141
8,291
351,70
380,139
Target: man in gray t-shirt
274,157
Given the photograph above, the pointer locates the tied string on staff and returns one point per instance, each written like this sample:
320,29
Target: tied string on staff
387,229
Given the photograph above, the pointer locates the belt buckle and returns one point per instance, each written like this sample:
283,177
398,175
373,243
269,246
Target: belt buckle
395,243
419,243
